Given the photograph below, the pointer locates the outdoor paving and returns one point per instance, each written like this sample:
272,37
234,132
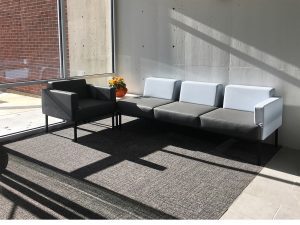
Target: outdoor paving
19,113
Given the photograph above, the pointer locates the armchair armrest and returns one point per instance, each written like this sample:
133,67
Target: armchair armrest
268,115
59,104
102,93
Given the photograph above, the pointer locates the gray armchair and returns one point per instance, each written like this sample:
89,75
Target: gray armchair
76,101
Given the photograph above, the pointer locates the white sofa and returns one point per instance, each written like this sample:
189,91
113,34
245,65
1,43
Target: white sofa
248,112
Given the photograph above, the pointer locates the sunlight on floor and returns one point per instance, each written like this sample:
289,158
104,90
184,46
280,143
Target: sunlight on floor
274,193
20,112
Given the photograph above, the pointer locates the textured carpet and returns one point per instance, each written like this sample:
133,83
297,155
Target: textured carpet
180,172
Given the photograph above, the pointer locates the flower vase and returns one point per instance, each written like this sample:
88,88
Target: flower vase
121,92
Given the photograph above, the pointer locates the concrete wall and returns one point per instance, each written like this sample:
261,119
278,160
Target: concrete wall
253,42
89,36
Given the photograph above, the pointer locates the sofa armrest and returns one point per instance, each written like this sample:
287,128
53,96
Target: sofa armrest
59,104
268,115
102,93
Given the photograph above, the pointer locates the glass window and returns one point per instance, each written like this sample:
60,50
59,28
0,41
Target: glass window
29,41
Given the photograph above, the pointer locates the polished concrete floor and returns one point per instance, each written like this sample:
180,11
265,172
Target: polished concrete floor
274,193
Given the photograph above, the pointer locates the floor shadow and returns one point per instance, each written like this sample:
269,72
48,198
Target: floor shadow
49,199
140,138
114,199
20,202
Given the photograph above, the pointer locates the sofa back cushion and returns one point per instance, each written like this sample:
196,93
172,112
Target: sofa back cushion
162,88
201,93
76,86
245,98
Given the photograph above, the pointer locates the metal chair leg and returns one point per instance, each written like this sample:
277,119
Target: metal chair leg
46,124
116,120
75,131
113,121
276,138
120,120
259,150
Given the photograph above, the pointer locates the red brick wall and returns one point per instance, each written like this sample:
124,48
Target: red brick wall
29,44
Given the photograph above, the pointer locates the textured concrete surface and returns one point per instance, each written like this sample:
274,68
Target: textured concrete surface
89,36
234,41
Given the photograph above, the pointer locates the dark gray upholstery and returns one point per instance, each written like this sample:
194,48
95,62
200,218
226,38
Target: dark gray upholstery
140,106
182,113
76,86
92,108
102,93
74,100
231,122
59,104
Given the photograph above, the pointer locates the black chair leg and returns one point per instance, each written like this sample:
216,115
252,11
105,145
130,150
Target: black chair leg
276,138
46,124
75,131
113,121
120,120
3,160
259,150
116,120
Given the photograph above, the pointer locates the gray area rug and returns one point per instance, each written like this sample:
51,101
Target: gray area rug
171,171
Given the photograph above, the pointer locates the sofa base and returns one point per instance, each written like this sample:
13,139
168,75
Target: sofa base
75,125
259,148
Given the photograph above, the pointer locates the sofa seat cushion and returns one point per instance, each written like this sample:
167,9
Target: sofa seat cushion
182,113
140,106
231,122
90,108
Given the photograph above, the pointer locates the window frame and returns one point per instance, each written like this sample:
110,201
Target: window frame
62,50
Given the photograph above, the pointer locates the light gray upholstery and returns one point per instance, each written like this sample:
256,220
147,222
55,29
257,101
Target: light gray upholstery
182,113
242,97
162,88
140,106
231,122
201,93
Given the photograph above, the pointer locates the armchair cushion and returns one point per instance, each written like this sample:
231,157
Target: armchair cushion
102,93
93,108
201,93
231,122
245,98
268,115
140,106
77,86
162,88
182,113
